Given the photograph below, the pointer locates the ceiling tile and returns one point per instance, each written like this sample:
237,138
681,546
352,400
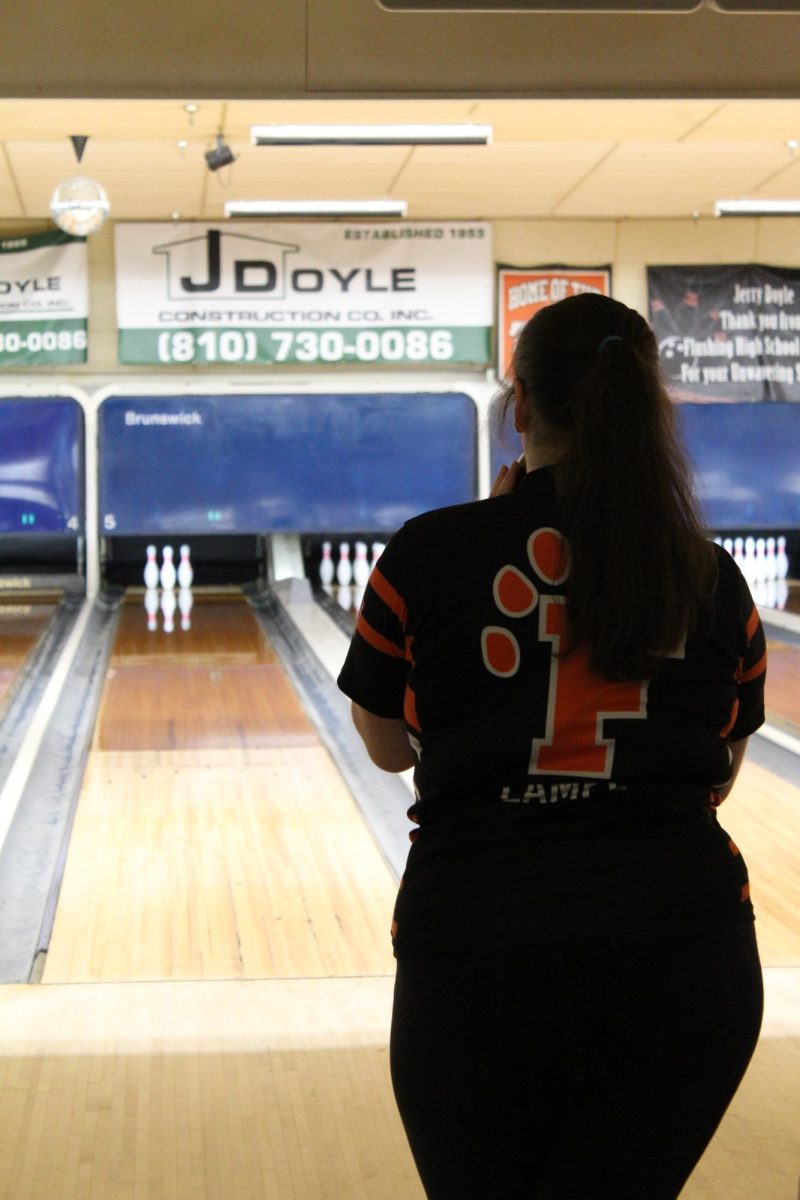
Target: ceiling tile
592,120
674,179
508,179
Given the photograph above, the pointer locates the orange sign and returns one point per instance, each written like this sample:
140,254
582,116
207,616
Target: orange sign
524,290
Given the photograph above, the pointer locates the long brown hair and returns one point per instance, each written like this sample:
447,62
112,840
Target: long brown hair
642,567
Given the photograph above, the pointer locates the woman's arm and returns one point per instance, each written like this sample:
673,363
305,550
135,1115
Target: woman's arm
385,738
737,750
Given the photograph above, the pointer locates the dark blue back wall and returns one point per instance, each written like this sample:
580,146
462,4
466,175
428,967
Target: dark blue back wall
266,463
41,466
746,460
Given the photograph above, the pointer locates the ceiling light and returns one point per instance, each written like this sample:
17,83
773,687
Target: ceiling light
757,208
79,206
370,135
315,208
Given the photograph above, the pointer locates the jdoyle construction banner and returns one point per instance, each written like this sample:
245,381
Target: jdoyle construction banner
522,291
316,294
727,333
44,300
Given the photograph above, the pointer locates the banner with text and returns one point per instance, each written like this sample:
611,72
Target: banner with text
522,291
44,300
727,333
316,294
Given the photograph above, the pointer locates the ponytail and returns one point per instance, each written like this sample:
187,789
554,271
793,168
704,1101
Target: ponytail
642,568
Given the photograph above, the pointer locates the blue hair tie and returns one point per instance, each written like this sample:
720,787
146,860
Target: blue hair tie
612,337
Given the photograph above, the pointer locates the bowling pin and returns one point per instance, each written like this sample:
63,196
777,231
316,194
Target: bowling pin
760,564
344,596
326,569
377,550
782,559
727,544
749,567
168,573
168,606
185,602
151,604
782,597
151,569
344,568
771,598
772,565
738,553
185,572
361,566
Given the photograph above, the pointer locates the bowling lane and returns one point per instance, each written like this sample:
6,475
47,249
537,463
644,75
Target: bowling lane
214,836
761,816
22,623
782,698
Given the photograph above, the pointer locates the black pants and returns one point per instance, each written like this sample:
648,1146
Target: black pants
585,1070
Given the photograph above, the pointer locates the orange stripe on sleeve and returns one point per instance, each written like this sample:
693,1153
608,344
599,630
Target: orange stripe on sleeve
377,640
754,672
734,714
410,710
752,625
390,597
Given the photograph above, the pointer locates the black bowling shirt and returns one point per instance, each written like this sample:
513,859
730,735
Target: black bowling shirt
550,803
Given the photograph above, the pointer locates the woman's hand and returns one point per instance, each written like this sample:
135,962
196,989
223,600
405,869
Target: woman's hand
508,477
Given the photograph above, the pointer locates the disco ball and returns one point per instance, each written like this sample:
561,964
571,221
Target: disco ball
79,206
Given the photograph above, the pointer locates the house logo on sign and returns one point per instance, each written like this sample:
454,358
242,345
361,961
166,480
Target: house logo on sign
227,266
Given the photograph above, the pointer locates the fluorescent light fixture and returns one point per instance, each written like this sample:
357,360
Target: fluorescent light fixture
315,208
371,135
757,208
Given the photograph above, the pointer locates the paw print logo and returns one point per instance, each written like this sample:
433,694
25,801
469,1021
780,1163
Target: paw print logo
516,596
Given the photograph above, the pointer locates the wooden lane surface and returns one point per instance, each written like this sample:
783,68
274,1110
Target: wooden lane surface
192,867
22,623
196,706
761,815
276,1090
214,837
783,685
223,631
216,1091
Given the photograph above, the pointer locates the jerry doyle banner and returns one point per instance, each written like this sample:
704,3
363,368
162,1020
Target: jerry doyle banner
315,294
522,291
727,333
44,300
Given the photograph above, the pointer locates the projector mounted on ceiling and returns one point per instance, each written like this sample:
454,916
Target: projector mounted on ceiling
220,155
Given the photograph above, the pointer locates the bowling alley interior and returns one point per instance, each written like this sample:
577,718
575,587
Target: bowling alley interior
241,345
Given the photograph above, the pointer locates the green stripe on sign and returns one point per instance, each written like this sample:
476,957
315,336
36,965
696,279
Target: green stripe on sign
328,346
39,343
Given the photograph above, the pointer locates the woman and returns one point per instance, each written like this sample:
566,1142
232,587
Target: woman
573,670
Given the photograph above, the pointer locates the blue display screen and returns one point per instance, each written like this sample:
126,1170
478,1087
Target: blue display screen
745,457
41,465
267,463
